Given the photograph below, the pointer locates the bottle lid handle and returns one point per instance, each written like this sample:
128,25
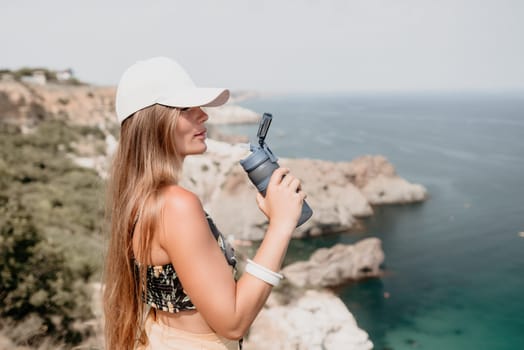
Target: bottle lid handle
263,128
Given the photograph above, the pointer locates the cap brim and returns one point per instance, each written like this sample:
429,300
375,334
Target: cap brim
196,97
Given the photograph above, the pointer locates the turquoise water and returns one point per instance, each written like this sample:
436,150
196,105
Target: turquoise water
454,267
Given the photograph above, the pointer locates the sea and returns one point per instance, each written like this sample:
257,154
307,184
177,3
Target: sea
453,275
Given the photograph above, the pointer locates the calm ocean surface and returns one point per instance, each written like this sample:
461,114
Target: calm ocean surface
454,267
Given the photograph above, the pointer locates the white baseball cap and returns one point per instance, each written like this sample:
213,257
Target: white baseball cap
162,80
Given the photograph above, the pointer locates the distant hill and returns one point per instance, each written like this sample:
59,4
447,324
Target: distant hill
27,104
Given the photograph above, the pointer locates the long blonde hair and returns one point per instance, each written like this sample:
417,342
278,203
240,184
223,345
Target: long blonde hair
145,162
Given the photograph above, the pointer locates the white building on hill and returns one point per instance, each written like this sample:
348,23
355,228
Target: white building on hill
38,77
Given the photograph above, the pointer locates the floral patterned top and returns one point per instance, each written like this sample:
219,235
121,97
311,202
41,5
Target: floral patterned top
163,289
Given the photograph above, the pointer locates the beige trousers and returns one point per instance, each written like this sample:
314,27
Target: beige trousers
163,337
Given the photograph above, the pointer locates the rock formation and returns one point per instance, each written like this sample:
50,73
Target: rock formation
329,267
231,114
315,320
302,314
338,192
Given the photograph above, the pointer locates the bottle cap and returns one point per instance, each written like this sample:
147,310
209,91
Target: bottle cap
257,157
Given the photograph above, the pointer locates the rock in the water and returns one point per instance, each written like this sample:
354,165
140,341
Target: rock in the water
317,320
389,190
333,266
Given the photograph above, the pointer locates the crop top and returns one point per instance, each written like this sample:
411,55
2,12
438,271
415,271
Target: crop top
163,289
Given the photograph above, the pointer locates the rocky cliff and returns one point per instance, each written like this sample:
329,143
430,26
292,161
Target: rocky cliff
314,320
27,104
338,192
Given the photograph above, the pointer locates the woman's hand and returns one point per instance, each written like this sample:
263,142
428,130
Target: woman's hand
284,197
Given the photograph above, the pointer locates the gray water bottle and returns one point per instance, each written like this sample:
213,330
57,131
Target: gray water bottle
261,163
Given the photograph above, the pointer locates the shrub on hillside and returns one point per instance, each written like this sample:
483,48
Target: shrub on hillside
65,200
38,286
50,244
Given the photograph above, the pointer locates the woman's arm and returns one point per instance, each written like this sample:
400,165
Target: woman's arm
229,307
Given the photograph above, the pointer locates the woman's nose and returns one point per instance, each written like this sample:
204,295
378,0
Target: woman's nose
203,117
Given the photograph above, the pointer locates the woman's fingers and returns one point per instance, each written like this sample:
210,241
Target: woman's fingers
260,200
284,197
277,176
286,181
295,184
281,176
302,195
261,203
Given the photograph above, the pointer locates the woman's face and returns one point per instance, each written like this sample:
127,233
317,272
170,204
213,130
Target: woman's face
190,132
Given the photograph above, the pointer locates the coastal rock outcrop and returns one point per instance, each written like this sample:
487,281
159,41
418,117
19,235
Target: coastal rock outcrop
231,114
377,180
303,314
315,320
336,201
338,192
389,190
329,267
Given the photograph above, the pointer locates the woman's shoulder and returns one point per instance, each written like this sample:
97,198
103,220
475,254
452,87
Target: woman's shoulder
182,213
180,200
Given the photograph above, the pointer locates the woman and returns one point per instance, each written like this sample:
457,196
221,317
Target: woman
164,252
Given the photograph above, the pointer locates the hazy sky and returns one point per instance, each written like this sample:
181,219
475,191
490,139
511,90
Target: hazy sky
278,45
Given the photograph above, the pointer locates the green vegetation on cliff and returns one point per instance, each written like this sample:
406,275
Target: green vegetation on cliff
51,214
